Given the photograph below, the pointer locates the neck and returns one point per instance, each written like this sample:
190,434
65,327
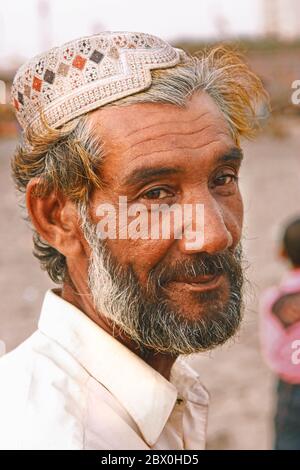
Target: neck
161,362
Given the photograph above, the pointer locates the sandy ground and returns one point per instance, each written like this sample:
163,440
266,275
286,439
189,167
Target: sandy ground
240,385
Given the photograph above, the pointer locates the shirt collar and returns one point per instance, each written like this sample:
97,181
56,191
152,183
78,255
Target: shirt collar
146,395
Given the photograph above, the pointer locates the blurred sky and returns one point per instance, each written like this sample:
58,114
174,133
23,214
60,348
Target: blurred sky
23,33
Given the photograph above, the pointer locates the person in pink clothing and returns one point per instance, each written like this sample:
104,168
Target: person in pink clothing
280,339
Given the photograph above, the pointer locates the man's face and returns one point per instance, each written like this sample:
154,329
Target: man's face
163,154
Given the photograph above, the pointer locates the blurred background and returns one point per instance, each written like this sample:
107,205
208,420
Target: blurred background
267,32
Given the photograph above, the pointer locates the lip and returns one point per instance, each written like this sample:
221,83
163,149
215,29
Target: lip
202,283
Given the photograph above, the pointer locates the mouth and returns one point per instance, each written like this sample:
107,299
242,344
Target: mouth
200,283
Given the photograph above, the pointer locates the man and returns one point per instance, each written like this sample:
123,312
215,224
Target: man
122,134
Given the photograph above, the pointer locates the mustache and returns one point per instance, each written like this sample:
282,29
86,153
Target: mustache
201,264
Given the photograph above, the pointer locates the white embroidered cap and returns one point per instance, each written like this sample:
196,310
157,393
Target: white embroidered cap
81,75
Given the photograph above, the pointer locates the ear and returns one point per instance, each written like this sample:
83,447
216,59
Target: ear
55,218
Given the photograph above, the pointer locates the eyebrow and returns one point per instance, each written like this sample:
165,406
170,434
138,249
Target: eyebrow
234,154
144,174
141,175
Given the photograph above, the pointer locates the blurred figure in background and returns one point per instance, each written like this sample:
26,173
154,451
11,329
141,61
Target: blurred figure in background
280,336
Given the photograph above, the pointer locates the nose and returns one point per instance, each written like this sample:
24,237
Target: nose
207,230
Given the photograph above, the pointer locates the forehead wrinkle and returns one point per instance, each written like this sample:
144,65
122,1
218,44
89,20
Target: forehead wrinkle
166,123
169,134
177,148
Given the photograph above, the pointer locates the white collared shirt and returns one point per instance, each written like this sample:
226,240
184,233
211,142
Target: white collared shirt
71,385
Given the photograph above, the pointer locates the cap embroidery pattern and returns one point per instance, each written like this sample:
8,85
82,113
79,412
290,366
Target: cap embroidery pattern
87,73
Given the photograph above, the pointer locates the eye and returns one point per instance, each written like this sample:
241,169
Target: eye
157,193
226,179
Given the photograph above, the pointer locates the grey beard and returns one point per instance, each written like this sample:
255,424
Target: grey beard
147,316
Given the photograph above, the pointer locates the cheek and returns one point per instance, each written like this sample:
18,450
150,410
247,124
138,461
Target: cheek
142,255
233,211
